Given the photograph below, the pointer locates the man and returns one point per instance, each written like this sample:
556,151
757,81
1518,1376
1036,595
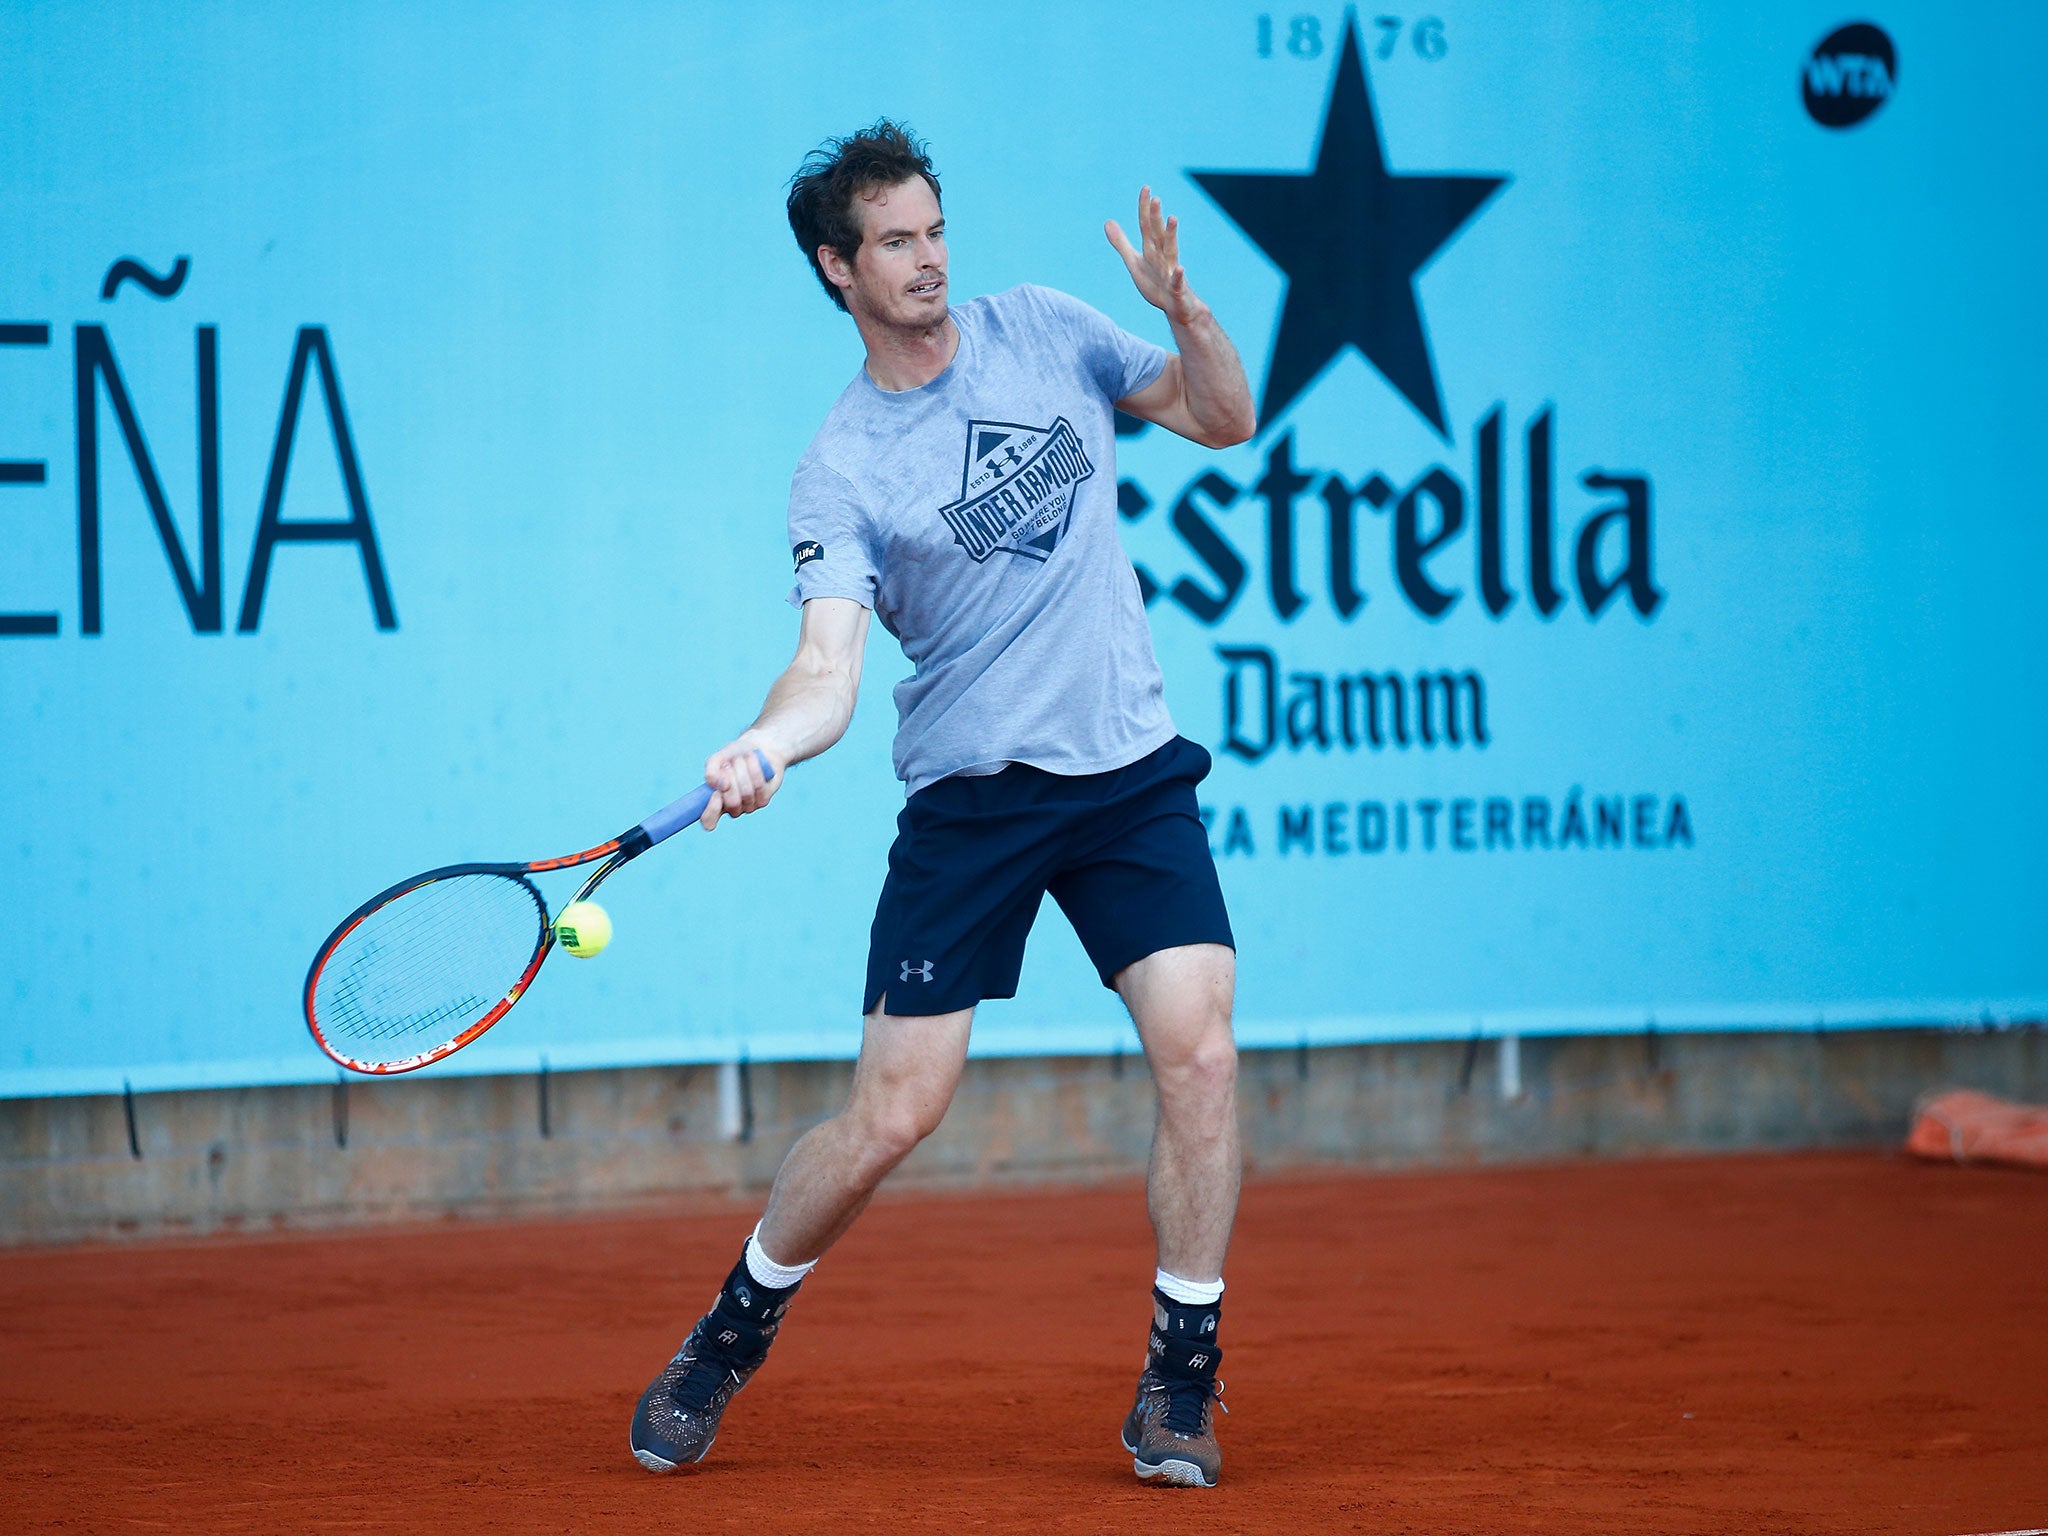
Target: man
963,487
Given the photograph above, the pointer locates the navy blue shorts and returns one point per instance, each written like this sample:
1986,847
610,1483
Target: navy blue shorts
1124,853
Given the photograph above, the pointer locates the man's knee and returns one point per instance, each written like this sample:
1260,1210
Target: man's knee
891,1117
903,1083
1214,1063
1204,1070
889,1133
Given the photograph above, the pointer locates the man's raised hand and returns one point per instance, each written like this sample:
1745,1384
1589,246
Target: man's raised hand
1156,268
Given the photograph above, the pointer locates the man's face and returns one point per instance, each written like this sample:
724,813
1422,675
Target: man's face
898,277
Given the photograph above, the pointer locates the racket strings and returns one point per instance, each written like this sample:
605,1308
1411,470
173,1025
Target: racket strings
424,967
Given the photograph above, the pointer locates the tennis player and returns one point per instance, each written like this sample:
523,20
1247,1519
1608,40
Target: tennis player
963,487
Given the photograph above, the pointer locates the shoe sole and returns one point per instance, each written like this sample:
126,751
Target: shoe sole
1172,1472
659,1464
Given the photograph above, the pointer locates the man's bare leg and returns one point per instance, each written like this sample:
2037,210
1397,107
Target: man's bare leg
1180,1000
904,1080
908,1069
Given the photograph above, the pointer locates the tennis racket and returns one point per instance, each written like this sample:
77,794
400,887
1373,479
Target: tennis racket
417,972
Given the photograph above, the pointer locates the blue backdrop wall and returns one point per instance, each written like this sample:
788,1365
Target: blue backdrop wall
1629,612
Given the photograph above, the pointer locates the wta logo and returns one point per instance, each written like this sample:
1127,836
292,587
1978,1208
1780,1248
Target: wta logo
1851,74
1017,488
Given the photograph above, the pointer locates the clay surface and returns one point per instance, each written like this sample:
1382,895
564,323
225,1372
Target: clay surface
1819,1344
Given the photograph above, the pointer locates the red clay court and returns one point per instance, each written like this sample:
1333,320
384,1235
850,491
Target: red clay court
1809,1344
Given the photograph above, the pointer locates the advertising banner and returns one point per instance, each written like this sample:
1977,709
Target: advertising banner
1628,614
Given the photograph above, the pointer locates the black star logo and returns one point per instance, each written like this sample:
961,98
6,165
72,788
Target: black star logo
1351,237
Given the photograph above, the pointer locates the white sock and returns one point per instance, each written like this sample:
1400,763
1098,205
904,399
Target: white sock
777,1277
1189,1293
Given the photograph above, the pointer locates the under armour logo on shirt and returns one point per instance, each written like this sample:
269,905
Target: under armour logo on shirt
921,972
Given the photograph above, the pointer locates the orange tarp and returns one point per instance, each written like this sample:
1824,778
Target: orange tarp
1962,1126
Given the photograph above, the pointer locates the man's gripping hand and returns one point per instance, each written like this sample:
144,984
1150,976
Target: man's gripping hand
807,710
734,773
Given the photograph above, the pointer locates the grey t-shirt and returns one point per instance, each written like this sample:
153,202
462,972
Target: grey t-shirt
976,515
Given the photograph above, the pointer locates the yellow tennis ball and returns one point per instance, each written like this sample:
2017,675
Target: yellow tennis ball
583,929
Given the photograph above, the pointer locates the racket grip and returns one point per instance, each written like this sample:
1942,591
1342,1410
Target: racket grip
672,818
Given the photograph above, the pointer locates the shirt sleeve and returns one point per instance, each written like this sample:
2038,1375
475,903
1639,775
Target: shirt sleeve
1120,364
828,538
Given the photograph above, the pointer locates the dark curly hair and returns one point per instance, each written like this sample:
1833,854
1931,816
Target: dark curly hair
833,176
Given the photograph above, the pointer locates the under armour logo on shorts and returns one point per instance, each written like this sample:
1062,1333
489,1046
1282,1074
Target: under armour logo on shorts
921,972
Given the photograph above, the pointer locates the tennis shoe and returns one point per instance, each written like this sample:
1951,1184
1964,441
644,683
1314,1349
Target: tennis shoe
677,1418
1171,1430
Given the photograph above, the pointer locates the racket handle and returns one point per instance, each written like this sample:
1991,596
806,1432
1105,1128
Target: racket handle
672,818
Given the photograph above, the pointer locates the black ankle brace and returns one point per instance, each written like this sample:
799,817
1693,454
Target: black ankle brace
1178,1320
749,1309
1183,1341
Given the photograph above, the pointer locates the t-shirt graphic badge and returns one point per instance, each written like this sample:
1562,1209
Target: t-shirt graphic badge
1017,489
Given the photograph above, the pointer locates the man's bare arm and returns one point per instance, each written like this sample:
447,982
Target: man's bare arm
1202,394
808,709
